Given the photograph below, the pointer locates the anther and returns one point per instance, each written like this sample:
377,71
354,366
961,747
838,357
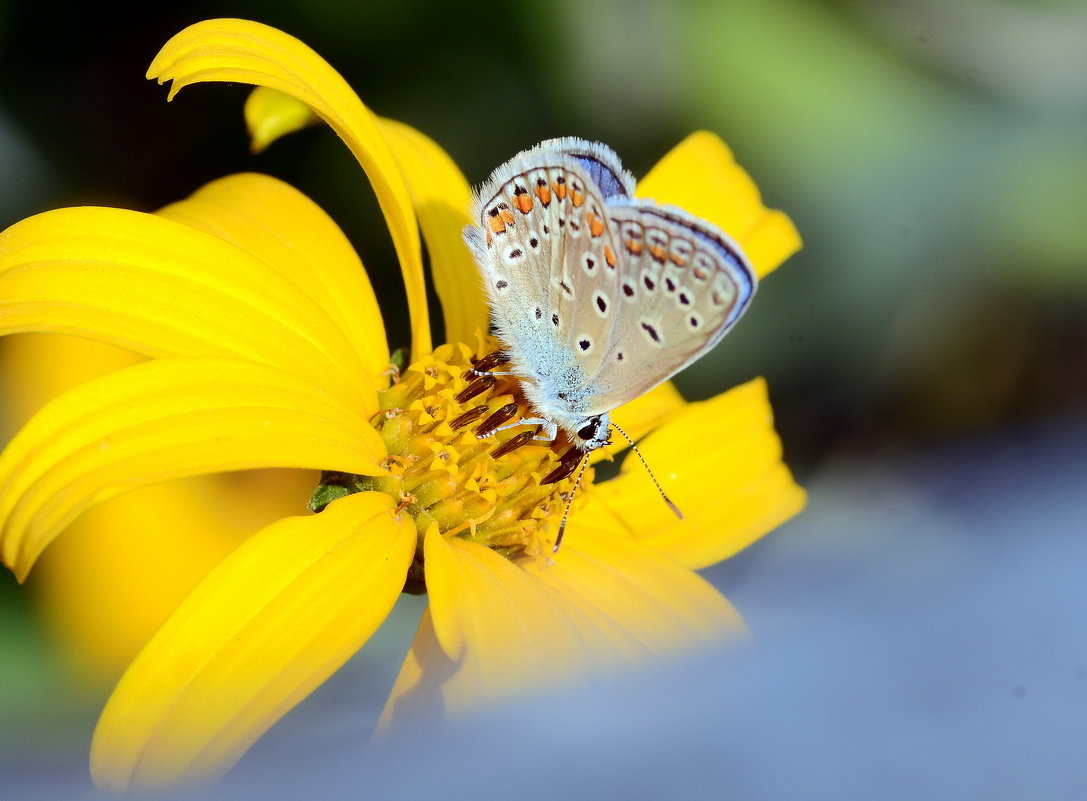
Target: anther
469,416
568,462
406,500
502,415
485,363
513,443
477,387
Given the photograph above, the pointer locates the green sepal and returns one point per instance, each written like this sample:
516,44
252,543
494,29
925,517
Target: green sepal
326,494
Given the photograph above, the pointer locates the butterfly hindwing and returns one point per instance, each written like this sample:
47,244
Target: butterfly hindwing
683,284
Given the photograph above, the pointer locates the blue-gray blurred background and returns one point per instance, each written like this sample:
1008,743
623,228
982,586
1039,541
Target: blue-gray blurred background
921,625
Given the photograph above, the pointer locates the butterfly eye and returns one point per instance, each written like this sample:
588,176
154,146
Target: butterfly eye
589,430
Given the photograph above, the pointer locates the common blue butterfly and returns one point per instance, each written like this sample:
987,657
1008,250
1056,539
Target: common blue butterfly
596,295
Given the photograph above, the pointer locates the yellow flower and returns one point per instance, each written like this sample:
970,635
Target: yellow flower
268,350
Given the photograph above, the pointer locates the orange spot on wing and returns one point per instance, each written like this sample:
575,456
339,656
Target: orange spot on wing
489,239
577,198
496,224
609,255
507,216
560,190
524,203
657,252
676,260
544,194
596,225
634,246
701,275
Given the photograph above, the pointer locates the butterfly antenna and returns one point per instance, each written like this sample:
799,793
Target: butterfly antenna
570,500
645,464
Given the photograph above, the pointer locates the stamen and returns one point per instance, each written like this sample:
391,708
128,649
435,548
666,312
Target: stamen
477,387
441,473
482,365
512,444
469,416
568,462
502,415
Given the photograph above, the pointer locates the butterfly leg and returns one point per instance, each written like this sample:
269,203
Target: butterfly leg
549,429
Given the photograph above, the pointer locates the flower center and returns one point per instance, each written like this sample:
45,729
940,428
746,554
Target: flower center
449,467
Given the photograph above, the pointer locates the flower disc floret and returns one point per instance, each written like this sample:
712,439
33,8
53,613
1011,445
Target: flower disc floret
448,466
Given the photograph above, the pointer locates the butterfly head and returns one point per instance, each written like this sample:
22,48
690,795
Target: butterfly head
592,432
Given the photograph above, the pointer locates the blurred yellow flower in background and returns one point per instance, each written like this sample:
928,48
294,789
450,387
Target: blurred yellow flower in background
267,349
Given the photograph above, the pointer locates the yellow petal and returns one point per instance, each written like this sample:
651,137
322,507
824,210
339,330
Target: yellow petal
161,420
701,176
441,196
662,606
270,114
266,627
720,462
641,416
439,193
35,368
475,593
240,51
290,234
508,628
101,618
165,289
148,549
417,693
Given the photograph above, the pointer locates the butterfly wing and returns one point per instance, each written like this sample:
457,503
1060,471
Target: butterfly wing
600,163
597,295
682,284
548,259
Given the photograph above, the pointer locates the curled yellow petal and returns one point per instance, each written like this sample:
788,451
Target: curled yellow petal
241,51
165,289
720,462
288,232
270,114
160,420
267,626
701,175
439,193
441,196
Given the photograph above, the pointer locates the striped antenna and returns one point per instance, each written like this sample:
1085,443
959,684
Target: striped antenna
577,483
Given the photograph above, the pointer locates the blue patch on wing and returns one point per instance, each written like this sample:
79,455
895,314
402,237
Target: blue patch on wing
609,183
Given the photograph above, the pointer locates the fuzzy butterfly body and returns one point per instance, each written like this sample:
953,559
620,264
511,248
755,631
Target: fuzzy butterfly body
597,296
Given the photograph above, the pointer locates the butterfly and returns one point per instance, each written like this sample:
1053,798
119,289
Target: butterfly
597,296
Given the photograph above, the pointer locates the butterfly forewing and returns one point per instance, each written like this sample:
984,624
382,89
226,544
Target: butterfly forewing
549,262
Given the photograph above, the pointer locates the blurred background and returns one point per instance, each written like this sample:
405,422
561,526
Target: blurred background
926,351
